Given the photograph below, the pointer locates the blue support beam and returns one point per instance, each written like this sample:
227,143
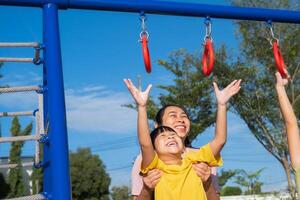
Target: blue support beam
170,8
57,172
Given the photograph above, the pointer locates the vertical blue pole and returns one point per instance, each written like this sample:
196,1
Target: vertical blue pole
58,147
46,157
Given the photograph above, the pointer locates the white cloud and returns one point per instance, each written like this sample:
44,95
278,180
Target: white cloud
99,112
14,102
25,79
91,109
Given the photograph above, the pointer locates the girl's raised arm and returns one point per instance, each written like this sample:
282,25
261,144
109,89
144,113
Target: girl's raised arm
290,120
223,97
141,98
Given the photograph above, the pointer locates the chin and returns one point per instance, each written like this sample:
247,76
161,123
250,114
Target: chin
175,151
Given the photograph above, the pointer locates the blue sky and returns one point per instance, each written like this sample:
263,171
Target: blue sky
99,49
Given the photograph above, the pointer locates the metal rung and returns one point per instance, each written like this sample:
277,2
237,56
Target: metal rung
12,114
8,59
32,197
19,138
27,164
19,44
20,89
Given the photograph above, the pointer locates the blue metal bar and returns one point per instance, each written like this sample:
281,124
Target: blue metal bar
58,147
170,8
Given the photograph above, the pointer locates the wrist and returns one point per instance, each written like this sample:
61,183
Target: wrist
222,105
141,106
278,86
148,189
207,183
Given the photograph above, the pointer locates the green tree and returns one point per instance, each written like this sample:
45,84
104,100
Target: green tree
37,180
15,176
224,176
231,191
250,181
4,189
89,178
257,103
120,193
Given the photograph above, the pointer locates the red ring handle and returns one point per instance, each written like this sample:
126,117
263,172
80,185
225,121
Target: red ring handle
279,60
208,58
146,53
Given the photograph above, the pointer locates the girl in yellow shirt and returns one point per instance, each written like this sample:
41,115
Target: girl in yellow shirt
164,148
291,125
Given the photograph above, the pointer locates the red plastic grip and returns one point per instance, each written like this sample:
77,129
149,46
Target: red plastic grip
146,54
208,58
279,60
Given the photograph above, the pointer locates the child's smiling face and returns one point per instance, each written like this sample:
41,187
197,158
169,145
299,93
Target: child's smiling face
168,142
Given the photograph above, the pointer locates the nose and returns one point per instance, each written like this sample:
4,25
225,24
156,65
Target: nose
180,119
170,136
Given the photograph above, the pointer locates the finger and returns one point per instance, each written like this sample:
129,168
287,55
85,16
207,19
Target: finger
278,76
155,178
216,88
148,89
126,82
132,86
231,84
236,87
154,172
154,183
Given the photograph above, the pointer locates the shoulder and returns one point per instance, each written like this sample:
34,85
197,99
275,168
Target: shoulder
187,149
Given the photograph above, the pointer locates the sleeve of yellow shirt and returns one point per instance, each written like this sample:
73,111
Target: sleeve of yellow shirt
204,154
152,165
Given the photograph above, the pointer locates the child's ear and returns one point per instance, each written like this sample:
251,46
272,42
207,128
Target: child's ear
155,125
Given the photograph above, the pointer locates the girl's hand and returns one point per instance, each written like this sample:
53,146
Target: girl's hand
140,97
152,178
202,170
224,95
280,82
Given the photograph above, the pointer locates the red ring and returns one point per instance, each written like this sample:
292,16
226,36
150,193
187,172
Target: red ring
279,60
146,53
208,58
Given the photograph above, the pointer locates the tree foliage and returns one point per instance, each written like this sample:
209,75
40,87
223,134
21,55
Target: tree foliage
231,191
37,180
250,181
121,193
15,176
224,176
256,104
89,178
4,189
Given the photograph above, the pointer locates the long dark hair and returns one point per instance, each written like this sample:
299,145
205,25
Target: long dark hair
159,119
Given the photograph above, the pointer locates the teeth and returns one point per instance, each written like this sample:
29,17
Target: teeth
171,143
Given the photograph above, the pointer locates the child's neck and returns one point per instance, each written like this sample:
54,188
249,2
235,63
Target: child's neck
171,159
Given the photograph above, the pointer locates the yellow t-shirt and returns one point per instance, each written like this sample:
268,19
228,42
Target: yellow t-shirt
180,182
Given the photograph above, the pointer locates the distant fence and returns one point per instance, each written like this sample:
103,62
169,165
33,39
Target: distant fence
281,196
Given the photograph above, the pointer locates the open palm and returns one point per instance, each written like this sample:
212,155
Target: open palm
140,97
224,95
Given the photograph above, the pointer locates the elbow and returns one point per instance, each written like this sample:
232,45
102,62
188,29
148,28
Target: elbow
219,142
146,146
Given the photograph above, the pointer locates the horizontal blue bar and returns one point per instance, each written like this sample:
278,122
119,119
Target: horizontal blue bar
189,9
169,8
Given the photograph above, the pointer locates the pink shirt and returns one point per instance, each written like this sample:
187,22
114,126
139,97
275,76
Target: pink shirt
137,180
